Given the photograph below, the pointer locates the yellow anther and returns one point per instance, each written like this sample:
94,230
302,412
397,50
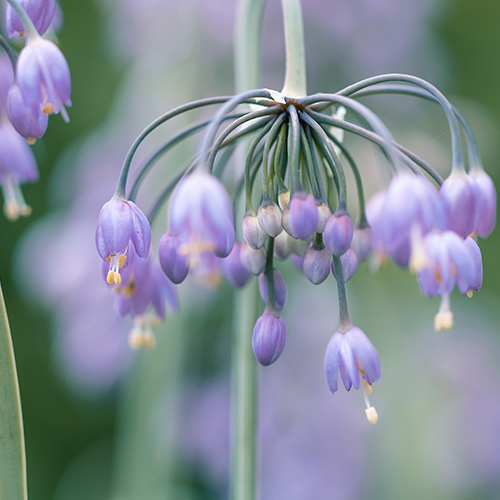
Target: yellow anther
135,339
371,415
48,108
122,260
117,278
148,339
368,387
155,321
470,293
129,289
31,140
443,321
111,277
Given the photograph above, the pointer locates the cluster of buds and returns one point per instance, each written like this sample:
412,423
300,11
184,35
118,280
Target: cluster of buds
419,221
33,85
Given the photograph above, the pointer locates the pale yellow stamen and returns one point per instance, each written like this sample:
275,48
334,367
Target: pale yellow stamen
371,415
368,387
470,293
141,335
31,140
48,108
444,318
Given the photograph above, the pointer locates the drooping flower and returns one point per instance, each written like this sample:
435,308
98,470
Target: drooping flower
349,264
253,260
316,264
253,234
120,223
43,76
486,192
303,215
174,264
233,269
280,290
269,338
41,12
362,242
338,233
269,217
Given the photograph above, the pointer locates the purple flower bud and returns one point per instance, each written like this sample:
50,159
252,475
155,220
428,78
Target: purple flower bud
351,354
6,80
174,264
477,281
253,260
303,215
316,264
349,263
269,217
43,76
30,122
362,242
233,269
285,222
17,166
121,222
269,337
282,245
457,197
324,214
252,232
201,214
280,290
41,12
338,233
486,218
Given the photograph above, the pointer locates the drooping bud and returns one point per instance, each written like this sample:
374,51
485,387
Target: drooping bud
252,232
233,269
349,263
477,281
174,263
253,260
269,338
285,222
280,290
284,199
324,214
362,242
303,215
486,217
282,245
269,217
316,264
338,233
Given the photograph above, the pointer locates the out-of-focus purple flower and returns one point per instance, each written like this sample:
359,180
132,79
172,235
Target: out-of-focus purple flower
174,264
17,166
457,197
486,192
411,208
282,245
316,264
303,214
374,209
477,282
352,355
6,80
253,234
269,338
201,215
233,269
280,290
43,76
269,217
253,260
41,12
338,233
30,122
121,222
362,242
349,263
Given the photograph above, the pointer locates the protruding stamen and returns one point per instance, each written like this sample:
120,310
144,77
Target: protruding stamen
444,318
48,108
31,141
141,335
14,206
371,415
470,293
111,277
116,262
371,412
368,387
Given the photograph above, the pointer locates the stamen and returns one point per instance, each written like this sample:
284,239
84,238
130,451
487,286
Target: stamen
31,141
418,259
48,108
444,318
141,335
111,277
116,262
14,206
371,415
470,293
371,412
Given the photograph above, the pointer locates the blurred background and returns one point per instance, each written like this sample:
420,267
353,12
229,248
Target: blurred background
102,422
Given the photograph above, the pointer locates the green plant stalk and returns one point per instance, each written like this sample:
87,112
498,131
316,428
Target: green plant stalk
12,451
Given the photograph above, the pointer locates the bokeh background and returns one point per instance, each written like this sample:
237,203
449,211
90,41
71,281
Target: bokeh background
104,423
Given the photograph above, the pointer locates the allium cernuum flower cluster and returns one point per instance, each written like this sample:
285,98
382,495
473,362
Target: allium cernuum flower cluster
295,191
39,87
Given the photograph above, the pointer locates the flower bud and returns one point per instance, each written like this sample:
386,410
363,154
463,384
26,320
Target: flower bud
252,232
303,215
284,199
324,213
269,337
282,245
269,217
349,263
254,261
285,222
316,264
338,234
280,290
174,264
362,242
486,217
233,269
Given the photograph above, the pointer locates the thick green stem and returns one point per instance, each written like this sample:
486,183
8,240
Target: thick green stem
12,453
295,85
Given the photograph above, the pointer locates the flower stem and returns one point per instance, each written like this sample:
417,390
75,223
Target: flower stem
8,49
12,453
295,78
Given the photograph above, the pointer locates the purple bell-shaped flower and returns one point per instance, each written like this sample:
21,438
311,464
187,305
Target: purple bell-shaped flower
233,269
41,12
362,242
349,263
486,192
269,338
173,261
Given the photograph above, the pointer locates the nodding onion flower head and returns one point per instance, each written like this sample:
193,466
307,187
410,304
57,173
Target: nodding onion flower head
17,166
303,215
269,338
120,223
29,121
233,269
411,208
338,233
43,76
280,290
201,215
351,354
143,293
41,12
486,200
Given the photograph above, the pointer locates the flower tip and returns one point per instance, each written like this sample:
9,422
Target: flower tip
13,210
371,415
470,293
31,141
443,321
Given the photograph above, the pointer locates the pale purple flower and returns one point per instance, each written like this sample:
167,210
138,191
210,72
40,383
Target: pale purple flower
269,217
280,289
477,282
233,269
201,215
303,214
43,76
269,338
349,263
362,242
282,245
120,223
253,260
316,264
6,80
29,121
486,192
174,263
352,355
338,233
41,12
253,234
